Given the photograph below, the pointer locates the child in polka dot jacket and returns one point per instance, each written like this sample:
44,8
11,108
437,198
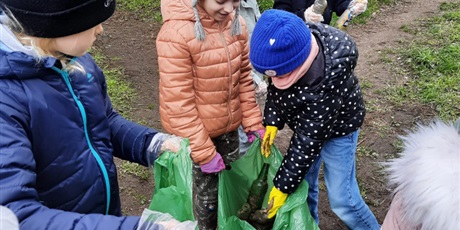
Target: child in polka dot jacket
312,89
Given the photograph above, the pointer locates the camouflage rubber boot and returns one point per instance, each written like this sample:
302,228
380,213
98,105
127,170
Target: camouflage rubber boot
205,198
205,185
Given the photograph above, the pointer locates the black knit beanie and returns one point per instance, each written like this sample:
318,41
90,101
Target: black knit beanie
59,18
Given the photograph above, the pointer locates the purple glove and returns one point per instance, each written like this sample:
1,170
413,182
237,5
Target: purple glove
252,135
214,166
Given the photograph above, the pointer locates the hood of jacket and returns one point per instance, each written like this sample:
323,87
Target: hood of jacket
177,10
427,175
13,54
183,10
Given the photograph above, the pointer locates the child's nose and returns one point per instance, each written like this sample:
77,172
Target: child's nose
229,7
99,29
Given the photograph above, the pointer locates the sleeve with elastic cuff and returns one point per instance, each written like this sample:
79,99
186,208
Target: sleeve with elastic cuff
177,95
272,116
312,130
251,114
18,178
129,139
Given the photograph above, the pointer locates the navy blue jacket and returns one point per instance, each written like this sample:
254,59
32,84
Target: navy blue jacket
298,7
59,134
325,103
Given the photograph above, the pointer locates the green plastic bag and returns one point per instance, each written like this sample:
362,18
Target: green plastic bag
234,189
173,189
173,184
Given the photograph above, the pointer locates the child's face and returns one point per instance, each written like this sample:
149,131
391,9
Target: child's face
77,44
220,9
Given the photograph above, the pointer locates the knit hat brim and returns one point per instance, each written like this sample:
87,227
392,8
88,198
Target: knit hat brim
285,67
38,23
280,42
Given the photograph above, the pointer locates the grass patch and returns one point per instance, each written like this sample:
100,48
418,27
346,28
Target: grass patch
135,169
398,145
151,9
143,200
373,7
431,64
146,9
364,151
121,92
265,5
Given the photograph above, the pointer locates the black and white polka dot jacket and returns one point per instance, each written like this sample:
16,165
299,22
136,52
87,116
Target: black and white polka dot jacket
325,103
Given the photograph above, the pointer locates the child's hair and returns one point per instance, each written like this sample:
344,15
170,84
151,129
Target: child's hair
199,30
41,46
37,23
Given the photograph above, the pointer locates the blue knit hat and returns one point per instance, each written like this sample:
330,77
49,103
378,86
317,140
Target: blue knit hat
280,43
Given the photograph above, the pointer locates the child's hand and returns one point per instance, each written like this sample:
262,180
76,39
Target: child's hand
357,7
269,138
172,143
276,199
214,166
311,16
252,135
160,143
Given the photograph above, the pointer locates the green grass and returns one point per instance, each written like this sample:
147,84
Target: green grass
146,9
365,151
432,64
121,93
265,5
373,7
150,9
134,169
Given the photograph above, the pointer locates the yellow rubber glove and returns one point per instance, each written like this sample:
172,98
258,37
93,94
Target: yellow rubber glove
276,199
269,138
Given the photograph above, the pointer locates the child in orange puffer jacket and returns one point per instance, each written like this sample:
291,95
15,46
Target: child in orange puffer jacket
206,89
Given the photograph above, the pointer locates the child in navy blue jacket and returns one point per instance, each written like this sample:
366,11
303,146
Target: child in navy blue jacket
313,89
59,132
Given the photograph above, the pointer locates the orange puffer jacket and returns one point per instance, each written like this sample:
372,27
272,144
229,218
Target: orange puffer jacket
206,87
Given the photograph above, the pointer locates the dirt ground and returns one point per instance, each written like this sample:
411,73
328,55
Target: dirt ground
130,41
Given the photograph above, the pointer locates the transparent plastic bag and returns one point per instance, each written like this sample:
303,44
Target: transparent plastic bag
153,220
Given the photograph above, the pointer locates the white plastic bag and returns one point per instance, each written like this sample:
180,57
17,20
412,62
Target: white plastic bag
8,219
153,220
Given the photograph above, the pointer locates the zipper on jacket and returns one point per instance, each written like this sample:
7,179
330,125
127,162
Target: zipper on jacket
229,78
65,76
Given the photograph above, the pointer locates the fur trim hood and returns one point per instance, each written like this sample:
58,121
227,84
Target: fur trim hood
427,177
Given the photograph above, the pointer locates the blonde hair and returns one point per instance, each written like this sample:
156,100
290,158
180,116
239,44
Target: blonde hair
41,46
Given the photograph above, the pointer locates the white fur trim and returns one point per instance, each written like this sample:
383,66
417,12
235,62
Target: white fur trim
427,176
